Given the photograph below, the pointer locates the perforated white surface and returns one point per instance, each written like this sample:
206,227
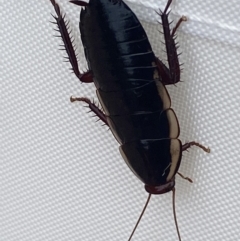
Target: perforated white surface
61,174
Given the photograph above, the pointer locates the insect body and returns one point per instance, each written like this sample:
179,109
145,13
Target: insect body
130,82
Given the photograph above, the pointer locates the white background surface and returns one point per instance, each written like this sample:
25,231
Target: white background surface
61,175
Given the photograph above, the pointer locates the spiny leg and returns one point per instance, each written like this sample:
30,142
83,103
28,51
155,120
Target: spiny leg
63,28
169,75
92,107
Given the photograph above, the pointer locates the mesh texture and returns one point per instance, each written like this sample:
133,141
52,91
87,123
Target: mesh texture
62,177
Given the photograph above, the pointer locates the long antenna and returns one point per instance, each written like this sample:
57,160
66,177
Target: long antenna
174,214
145,206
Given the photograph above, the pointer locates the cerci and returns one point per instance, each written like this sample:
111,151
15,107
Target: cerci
130,82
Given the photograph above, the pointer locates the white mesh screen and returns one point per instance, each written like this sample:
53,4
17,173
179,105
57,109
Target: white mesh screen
62,176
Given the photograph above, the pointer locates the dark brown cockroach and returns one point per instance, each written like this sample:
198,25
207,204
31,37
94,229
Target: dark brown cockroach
130,82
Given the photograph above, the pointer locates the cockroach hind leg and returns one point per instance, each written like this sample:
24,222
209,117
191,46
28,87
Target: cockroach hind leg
167,6
93,107
194,143
182,19
79,3
68,43
170,75
86,77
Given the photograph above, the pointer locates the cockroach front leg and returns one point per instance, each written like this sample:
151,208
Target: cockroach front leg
194,143
169,75
186,178
63,28
187,146
92,106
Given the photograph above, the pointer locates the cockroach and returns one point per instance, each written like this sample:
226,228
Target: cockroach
130,82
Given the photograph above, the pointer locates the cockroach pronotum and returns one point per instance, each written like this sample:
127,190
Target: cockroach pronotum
130,82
